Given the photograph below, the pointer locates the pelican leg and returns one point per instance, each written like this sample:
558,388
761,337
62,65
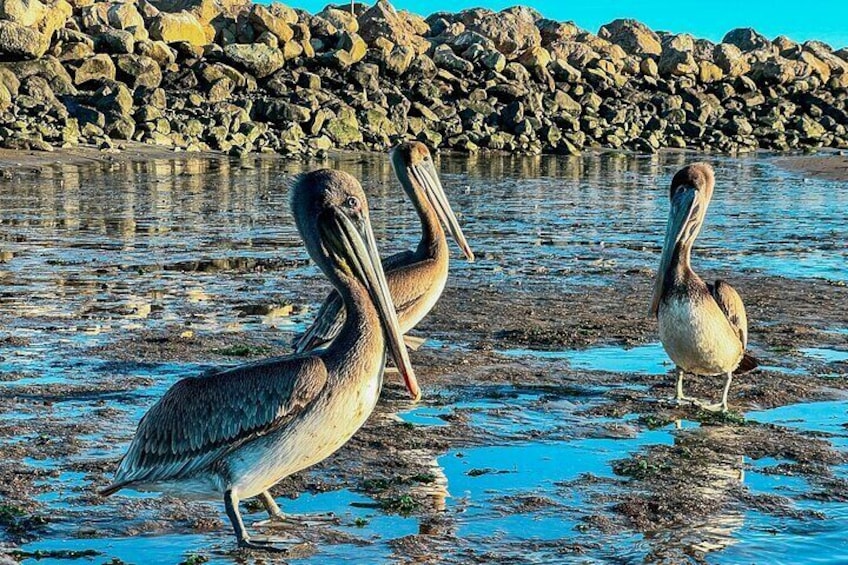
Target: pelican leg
276,516
231,503
679,397
721,406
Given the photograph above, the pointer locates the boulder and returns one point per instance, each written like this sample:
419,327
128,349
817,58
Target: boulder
511,32
57,14
730,60
399,59
5,97
773,71
18,41
552,30
264,20
344,128
28,13
96,68
383,21
445,58
256,58
677,58
747,39
342,19
574,53
350,49
114,99
634,37
648,67
709,72
204,10
114,41
785,46
138,70
125,15
535,58
177,28
158,51
48,68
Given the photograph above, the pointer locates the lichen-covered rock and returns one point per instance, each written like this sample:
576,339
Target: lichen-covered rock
264,20
177,28
138,70
677,58
776,70
747,39
344,128
510,32
117,41
342,19
634,37
445,58
730,60
383,21
258,59
125,15
96,68
552,30
17,40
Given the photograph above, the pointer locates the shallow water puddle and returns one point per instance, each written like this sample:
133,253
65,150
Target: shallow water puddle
825,354
102,253
647,359
776,539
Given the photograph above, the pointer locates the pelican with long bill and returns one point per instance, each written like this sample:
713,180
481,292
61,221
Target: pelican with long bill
703,327
237,432
416,278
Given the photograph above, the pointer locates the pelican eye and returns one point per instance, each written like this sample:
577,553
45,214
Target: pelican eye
352,202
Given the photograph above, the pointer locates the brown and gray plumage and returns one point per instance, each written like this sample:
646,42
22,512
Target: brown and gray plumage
235,433
416,278
703,327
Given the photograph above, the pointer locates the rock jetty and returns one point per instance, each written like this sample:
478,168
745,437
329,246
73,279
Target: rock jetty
233,76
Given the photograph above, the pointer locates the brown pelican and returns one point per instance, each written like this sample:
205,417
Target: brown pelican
237,432
703,327
416,278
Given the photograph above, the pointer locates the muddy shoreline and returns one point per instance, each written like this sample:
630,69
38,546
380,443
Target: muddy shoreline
831,167
493,376
390,459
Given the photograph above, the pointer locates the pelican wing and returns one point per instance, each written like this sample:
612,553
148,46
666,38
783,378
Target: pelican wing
326,326
202,418
734,310
331,316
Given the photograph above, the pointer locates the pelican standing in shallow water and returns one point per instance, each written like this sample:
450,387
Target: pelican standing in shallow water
416,278
237,432
703,327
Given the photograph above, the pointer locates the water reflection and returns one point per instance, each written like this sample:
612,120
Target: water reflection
90,252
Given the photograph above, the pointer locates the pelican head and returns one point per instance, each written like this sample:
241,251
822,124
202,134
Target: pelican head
414,167
690,194
331,214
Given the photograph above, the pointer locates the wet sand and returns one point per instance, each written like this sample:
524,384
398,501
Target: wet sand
831,167
495,354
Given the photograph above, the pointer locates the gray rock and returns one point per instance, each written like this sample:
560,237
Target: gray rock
634,37
138,70
258,59
115,41
19,41
97,67
747,39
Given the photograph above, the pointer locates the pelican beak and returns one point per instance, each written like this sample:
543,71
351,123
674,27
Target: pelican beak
352,241
428,178
682,205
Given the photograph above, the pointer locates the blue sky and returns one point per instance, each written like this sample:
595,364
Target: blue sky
824,20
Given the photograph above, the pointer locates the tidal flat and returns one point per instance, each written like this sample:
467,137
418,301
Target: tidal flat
542,436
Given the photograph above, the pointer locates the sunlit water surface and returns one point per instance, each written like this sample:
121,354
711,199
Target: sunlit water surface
94,252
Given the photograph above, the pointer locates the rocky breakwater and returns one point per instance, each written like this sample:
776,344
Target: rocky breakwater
234,76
